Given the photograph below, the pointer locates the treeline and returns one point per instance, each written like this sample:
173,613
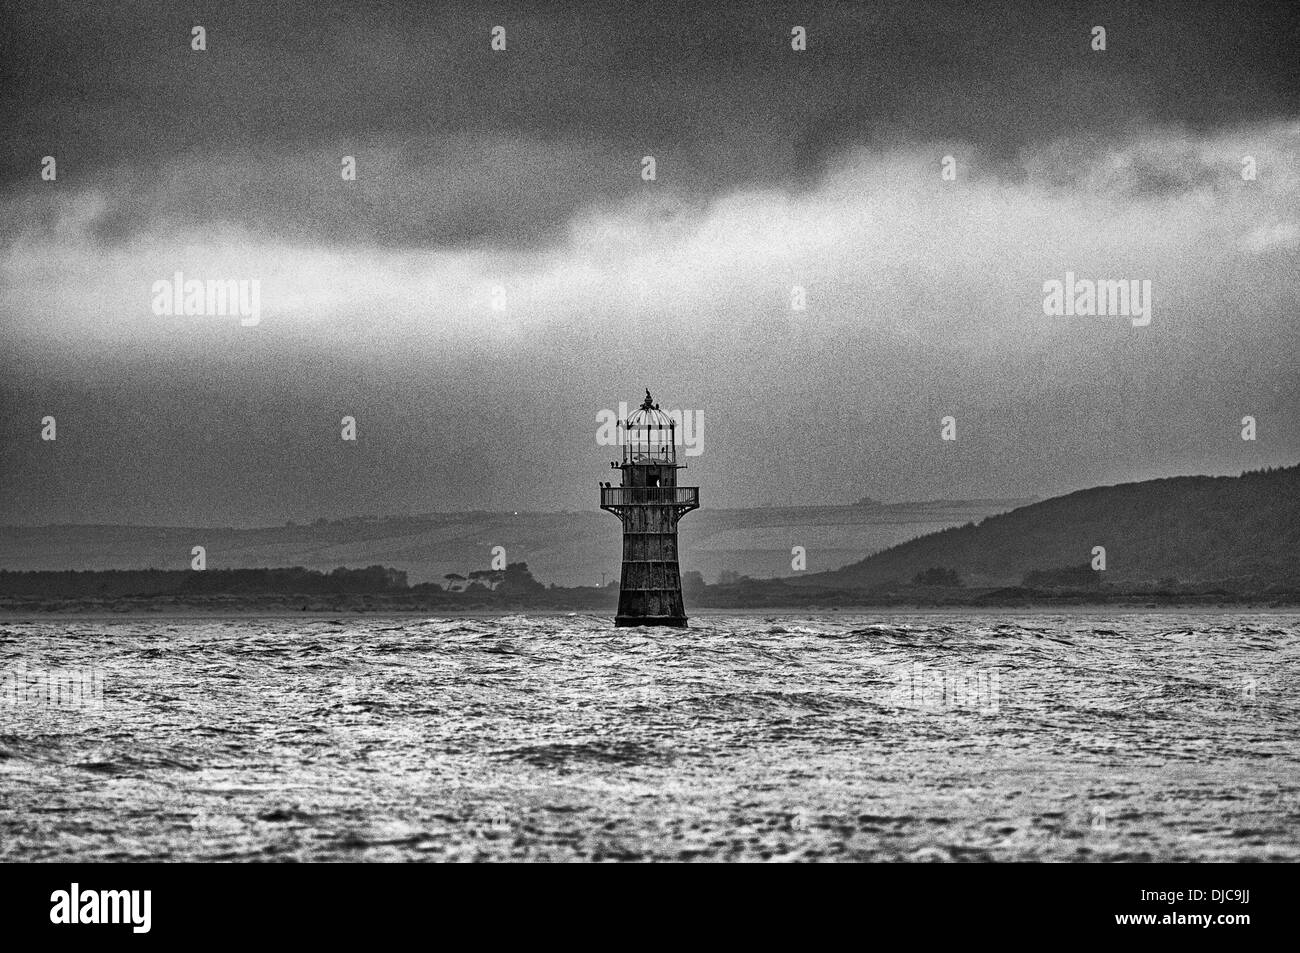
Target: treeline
160,582
1053,588
515,578
375,587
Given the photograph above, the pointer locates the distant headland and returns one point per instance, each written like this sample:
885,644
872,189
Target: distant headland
1179,541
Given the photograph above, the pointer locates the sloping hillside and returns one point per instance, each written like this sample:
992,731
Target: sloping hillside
1192,529
564,548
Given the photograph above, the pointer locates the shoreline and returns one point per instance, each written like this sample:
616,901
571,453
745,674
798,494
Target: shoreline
316,614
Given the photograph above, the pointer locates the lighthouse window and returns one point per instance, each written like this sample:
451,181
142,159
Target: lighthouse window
652,478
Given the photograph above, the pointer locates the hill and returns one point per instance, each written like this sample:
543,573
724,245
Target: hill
1185,530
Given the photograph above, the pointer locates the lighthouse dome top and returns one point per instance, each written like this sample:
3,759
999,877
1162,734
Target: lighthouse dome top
649,415
649,436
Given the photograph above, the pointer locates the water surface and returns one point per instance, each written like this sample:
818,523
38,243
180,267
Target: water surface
921,737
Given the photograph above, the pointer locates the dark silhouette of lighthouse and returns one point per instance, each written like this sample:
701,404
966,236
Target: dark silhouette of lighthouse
649,503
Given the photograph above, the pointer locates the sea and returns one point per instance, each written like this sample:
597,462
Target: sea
927,736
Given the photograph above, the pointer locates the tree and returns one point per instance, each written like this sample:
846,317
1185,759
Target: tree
937,576
488,578
692,582
518,579
1066,577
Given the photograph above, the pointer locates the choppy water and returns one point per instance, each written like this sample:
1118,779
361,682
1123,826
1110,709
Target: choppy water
923,737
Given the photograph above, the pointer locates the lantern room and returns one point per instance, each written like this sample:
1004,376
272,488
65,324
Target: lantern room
649,441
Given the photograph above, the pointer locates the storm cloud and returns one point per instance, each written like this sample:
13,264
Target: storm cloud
517,175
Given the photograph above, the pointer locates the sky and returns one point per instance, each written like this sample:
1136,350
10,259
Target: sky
500,272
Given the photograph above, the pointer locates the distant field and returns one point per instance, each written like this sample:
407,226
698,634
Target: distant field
563,548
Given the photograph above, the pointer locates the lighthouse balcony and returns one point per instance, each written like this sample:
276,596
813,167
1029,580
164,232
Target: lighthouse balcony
685,498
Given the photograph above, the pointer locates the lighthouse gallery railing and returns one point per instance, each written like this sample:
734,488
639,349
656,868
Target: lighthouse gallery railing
687,496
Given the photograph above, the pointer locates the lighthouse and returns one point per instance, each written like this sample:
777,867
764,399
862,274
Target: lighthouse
649,503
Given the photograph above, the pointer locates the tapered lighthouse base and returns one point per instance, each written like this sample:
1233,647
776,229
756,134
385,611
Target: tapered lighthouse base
676,621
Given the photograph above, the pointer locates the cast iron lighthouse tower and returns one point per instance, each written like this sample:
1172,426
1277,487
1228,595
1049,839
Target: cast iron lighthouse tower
649,503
